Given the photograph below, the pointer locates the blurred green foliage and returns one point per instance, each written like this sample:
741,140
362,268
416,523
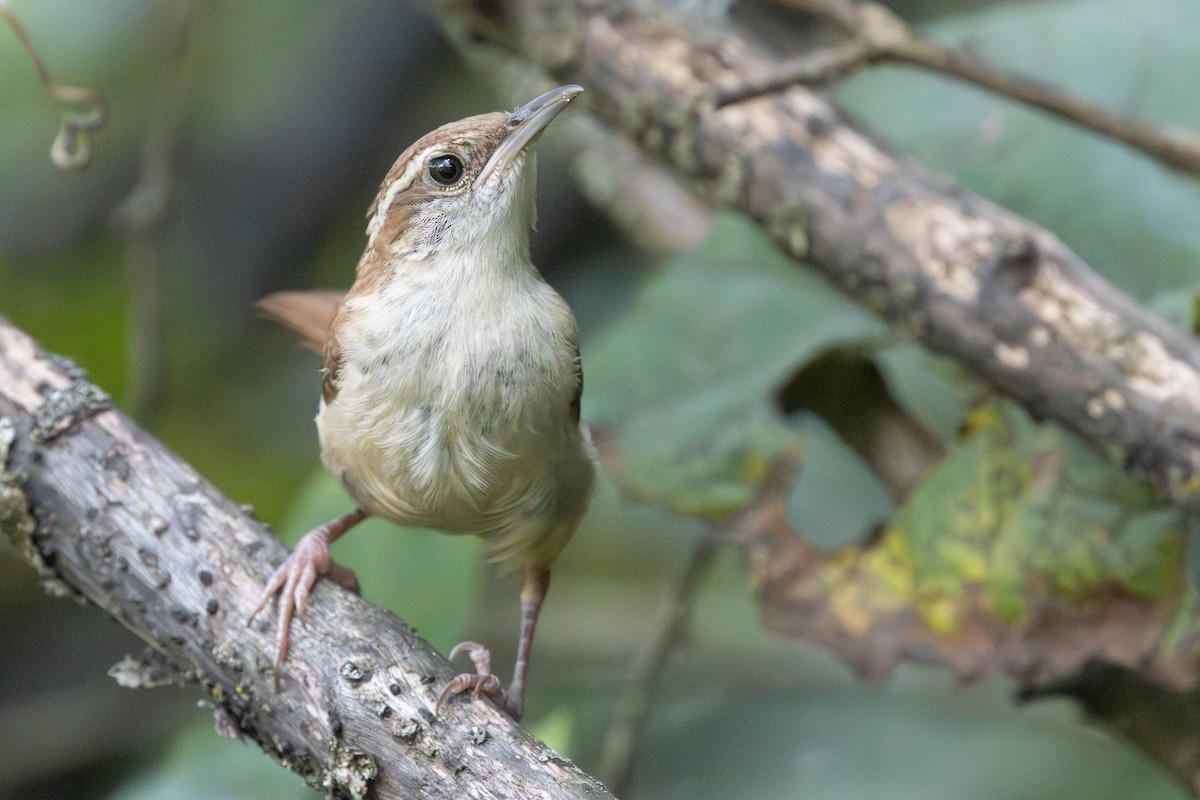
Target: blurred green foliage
1024,510
688,376
289,114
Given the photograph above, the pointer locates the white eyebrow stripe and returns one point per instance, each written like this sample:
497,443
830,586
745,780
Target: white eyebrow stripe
402,182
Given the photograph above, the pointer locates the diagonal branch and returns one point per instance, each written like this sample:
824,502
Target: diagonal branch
109,515
960,274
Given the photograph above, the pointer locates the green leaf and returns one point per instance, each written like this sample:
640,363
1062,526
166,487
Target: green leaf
835,500
932,389
686,381
1023,550
868,745
1024,511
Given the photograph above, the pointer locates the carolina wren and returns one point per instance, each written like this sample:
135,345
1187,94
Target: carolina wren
451,374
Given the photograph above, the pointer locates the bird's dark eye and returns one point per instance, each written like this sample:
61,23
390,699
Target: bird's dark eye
446,170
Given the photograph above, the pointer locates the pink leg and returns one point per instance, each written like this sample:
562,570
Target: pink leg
533,592
294,579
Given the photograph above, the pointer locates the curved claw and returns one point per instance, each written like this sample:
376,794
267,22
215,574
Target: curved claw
482,682
480,656
467,682
273,585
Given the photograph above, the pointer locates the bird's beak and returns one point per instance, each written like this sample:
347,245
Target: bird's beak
525,125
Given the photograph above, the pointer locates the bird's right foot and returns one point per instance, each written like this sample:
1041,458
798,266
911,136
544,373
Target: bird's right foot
479,683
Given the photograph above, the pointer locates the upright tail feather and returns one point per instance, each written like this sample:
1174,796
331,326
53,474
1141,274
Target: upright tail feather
309,314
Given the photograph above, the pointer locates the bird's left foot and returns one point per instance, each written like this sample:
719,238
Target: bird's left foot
480,682
293,581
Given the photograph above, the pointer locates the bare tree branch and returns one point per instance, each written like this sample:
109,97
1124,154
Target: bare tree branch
960,274
109,515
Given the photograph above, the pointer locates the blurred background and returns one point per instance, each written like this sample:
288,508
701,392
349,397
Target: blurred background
245,143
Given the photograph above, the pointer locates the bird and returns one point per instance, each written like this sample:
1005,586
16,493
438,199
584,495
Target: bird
451,377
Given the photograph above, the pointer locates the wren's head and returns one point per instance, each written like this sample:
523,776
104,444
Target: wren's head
467,185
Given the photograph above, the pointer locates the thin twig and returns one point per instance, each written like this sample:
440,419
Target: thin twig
1178,149
633,706
72,148
143,215
879,35
811,69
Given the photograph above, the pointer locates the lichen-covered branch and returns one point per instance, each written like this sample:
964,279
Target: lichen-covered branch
960,274
108,515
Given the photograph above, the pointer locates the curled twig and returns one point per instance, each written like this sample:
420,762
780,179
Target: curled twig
72,148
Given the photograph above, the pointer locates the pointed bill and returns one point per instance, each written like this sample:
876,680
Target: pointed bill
526,124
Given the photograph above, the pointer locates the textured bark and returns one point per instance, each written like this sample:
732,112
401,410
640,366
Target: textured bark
108,515
961,275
